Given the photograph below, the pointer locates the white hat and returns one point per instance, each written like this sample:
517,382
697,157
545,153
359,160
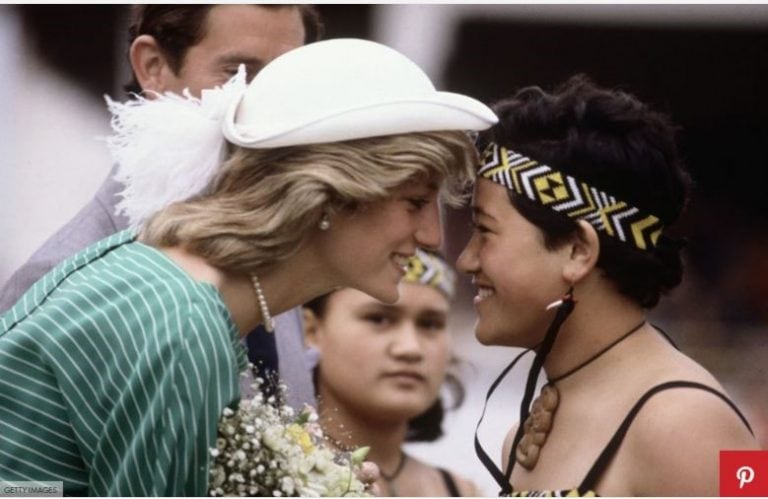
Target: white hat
345,89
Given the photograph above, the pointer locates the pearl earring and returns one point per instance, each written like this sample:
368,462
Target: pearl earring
324,224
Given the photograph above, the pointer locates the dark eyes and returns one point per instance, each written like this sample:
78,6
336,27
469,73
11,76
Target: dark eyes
480,227
431,324
386,321
378,319
418,203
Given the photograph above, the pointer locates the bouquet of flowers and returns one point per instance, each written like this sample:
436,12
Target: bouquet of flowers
264,449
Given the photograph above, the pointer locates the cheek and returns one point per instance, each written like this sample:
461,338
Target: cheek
437,358
395,223
351,355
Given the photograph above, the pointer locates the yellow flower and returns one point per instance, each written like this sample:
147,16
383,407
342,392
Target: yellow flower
301,437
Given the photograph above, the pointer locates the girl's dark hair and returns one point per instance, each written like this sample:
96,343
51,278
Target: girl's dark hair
613,142
427,426
176,28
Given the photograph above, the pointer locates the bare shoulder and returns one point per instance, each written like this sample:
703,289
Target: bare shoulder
507,446
467,487
432,479
676,438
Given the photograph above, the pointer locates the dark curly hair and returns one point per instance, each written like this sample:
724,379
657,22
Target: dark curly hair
176,28
613,141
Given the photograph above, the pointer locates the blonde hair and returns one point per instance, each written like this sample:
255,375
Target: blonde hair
263,202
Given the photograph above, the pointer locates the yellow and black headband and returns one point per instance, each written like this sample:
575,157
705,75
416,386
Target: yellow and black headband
564,194
428,268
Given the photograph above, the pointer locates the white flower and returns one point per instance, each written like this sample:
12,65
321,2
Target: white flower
264,449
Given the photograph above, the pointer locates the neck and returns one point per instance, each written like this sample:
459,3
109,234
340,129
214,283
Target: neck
285,284
349,429
601,316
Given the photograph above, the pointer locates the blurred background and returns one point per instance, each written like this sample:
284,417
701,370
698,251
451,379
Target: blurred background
705,65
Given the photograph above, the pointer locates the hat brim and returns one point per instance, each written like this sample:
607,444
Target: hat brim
439,111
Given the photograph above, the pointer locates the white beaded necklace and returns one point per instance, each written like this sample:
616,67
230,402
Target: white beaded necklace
269,322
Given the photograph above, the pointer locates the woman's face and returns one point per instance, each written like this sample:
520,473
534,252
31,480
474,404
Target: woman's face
368,248
515,274
383,361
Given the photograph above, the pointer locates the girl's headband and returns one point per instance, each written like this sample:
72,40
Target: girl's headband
565,194
428,268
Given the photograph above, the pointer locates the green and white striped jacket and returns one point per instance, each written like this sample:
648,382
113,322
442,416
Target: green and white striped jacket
114,370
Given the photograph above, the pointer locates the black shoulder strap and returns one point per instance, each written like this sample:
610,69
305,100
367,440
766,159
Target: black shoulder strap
602,462
453,490
486,461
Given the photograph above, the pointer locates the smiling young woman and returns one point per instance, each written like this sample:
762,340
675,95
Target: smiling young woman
576,194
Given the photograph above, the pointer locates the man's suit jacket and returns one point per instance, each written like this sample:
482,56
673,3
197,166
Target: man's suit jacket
98,220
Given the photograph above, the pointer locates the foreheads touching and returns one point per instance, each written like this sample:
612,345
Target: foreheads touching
272,199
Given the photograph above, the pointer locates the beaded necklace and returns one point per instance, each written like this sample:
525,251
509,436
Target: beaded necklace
539,422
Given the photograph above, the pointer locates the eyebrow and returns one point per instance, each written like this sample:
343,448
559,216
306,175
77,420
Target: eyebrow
376,305
242,59
478,211
434,312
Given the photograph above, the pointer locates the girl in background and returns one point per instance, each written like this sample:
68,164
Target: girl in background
380,370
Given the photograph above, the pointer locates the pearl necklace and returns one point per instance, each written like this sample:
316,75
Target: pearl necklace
269,322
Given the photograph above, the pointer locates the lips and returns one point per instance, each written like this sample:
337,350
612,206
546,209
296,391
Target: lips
483,292
406,376
400,261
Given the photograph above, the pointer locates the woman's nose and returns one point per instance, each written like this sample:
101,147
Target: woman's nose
429,231
405,343
468,262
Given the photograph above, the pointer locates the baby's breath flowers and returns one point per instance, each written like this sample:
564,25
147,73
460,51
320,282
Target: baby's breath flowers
264,449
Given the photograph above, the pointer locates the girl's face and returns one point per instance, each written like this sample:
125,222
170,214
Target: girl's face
515,274
380,361
368,248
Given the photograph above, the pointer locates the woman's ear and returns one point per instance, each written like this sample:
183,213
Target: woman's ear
311,329
584,250
149,64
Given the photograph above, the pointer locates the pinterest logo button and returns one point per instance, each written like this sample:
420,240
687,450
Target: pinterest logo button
743,473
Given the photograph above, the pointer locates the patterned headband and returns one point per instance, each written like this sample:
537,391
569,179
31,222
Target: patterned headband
430,269
565,194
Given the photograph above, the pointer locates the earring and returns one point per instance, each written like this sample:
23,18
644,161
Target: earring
324,224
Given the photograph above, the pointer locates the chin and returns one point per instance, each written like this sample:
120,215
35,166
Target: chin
388,295
404,408
486,339
492,334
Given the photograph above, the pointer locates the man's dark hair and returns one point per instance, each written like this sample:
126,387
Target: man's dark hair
612,141
176,28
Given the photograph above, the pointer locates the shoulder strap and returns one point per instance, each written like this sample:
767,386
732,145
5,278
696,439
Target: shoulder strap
450,484
485,459
613,445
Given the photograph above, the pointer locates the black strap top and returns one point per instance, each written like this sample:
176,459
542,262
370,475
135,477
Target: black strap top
450,484
587,487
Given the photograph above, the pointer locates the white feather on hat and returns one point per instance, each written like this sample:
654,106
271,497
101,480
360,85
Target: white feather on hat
168,148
